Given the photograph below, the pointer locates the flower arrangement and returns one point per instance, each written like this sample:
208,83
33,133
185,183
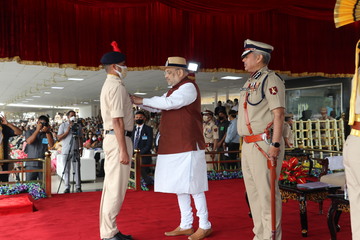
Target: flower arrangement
292,172
34,189
143,185
213,175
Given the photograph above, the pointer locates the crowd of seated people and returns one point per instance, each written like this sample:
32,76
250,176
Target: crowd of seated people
93,132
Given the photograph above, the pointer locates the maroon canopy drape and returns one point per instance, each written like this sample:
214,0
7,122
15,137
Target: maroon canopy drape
78,32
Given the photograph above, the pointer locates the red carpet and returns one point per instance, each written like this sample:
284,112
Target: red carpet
14,204
147,215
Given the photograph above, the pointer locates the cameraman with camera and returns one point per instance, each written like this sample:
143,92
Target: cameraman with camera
38,140
70,133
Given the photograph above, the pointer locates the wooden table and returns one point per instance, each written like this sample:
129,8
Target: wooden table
305,194
338,206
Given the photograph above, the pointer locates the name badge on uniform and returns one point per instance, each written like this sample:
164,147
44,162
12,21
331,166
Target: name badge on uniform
45,141
144,137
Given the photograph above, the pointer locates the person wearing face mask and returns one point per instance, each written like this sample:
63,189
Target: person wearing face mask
117,114
143,139
211,136
261,112
70,133
92,142
181,164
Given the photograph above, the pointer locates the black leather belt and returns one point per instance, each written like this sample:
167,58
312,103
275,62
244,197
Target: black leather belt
111,131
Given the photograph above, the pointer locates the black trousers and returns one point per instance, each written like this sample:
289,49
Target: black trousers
4,177
233,156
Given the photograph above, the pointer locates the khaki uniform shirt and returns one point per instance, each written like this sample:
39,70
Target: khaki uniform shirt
115,102
211,131
260,111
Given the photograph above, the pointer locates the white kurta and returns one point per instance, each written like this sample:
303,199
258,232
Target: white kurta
180,172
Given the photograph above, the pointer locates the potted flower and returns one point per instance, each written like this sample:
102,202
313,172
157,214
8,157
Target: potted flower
292,172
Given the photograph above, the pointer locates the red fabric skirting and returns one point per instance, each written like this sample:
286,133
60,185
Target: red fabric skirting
13,204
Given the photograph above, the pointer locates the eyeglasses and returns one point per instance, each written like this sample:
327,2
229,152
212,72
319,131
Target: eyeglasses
168,72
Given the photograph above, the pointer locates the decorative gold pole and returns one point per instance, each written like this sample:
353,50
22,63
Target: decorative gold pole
137,170
354,86
48,174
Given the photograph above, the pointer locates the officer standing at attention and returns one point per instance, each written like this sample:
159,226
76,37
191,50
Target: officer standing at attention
211,135
287,131
261,111
117,114
352,152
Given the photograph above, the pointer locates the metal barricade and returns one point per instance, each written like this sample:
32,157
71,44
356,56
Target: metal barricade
46,170
319,134
135,170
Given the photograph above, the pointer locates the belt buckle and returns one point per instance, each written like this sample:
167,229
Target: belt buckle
264,137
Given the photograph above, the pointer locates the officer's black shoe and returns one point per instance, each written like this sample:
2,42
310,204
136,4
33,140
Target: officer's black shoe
113,238
67,190
78,190
123,236
118,236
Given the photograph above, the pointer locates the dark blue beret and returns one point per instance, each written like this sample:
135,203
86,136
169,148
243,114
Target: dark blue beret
112,58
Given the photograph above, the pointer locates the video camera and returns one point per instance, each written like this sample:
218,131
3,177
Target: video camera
75,126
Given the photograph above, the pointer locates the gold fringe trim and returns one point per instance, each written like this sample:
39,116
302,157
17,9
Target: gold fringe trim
355,132
207,70
357,118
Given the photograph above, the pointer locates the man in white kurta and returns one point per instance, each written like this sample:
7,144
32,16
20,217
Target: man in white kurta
181,164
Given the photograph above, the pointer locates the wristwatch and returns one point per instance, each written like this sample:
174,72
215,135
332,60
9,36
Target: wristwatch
275,144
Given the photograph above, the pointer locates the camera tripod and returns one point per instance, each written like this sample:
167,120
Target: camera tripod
74,154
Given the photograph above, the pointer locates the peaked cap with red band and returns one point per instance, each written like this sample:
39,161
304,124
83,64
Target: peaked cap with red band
254,46
114,57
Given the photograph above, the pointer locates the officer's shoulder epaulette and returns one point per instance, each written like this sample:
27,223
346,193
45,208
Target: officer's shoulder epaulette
271,72
279,76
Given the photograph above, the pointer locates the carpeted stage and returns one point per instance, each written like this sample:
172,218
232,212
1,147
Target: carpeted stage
147,215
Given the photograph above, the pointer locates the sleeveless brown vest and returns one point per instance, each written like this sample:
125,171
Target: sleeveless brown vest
181,129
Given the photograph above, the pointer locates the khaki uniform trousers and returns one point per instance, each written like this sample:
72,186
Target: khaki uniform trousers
115,185
209,158
352,173
257,182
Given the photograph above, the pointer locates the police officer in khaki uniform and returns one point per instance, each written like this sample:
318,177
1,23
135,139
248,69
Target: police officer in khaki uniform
287,131
117,114
211,135
352,153
261,115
